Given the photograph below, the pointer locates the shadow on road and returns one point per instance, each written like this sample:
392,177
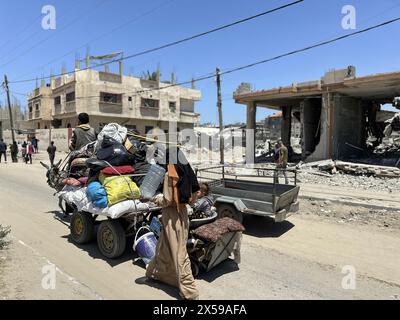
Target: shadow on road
59,216
171,291
264,227
227,266
93,252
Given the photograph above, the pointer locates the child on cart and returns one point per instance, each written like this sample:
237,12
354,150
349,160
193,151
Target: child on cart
204,206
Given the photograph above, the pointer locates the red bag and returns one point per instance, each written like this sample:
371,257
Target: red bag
71,182
122,170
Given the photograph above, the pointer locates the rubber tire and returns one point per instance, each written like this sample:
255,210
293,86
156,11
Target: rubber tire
117,232
87,233
228,210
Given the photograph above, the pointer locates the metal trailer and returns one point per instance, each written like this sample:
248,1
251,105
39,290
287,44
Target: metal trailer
254,192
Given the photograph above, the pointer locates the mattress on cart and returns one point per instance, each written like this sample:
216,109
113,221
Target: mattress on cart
77,197
214,231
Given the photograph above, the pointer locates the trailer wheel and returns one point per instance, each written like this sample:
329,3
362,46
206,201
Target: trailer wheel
82,227
111,239
228,210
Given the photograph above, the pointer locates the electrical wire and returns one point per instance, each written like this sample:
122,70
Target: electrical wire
236,69
135,19
178,41
84,14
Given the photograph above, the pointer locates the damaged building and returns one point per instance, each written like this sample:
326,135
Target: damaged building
339,114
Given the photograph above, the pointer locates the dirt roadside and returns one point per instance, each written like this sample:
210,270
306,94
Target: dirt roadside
301,258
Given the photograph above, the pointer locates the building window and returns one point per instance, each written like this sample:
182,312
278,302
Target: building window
172,106
147,129
70,97
110,97
57,101
37,106
131,127
150,103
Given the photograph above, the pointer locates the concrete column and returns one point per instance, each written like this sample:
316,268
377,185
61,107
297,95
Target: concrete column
286,125
250,132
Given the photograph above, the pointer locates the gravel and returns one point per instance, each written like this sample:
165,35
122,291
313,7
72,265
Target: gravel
391,185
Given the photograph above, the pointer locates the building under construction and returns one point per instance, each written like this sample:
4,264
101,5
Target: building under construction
338,113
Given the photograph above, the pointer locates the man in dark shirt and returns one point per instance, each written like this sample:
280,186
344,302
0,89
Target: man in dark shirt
83,133
3,150
51,150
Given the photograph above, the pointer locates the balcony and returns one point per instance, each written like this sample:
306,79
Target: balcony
110,107
70,107
153,113
189,117
57,109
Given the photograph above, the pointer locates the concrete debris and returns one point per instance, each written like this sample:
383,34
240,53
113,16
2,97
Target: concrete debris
341,179
351,168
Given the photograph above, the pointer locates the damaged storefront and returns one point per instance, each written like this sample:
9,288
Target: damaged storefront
341,116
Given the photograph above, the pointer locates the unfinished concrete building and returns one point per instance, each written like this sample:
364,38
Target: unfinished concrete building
113,97
40,105
336,112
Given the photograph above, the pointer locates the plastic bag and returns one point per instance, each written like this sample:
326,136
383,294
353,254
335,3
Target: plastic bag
119,188
97,194
114,131
114,153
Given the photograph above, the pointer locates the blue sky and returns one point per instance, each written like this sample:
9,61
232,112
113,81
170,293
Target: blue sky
79,22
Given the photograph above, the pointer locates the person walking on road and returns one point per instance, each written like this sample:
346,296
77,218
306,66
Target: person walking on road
3,150
29,152
281,165
171,264
51,150
35,144
14,152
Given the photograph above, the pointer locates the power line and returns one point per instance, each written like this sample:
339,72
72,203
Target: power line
320,44
135,19
84,14
20,32
181,40
232,70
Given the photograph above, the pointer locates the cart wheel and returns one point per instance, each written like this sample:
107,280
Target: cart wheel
111,239
227,210
195,268
82,227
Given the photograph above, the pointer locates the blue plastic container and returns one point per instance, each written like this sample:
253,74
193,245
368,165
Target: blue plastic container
145,245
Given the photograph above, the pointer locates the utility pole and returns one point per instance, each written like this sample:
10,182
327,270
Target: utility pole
219,106
9,108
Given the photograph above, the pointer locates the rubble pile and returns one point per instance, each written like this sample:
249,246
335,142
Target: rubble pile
351,168
366,178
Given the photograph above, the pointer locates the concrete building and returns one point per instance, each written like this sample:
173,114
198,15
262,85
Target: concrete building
17,114
112,97
40,105
335,112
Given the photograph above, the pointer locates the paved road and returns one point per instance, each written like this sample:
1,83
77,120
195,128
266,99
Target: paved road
299,259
